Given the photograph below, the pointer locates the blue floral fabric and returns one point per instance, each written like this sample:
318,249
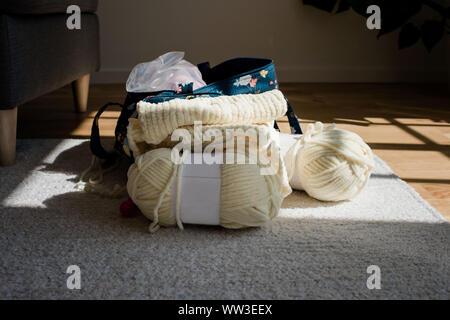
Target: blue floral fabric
256,81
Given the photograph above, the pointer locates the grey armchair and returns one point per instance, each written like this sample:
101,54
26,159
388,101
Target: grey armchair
39,54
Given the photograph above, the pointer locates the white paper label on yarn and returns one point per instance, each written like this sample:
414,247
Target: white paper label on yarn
200,188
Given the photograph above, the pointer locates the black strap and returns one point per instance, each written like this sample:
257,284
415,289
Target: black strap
293,120
204,69
95,144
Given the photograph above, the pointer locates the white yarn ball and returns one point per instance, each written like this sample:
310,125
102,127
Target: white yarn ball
330,164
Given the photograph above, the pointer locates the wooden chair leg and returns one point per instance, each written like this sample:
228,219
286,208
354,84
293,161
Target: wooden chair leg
80,88
8,130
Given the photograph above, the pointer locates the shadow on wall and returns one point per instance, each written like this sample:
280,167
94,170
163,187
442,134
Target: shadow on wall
307,45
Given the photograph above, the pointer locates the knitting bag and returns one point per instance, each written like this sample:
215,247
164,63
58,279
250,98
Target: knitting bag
232,77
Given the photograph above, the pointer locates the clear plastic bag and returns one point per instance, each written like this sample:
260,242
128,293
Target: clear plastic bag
164,73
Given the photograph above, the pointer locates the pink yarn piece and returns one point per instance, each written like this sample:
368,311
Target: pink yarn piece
128,208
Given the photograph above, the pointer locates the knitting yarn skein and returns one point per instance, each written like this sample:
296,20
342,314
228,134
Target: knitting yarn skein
330,164
247,198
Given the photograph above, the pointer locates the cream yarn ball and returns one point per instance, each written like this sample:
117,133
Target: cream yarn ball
248,199
330,164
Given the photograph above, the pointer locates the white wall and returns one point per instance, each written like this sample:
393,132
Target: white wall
307,45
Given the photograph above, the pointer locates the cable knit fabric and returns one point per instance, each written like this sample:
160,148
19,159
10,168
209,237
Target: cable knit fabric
159,120
265,134
138,145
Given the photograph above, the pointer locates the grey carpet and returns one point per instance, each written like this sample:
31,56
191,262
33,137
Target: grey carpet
313,250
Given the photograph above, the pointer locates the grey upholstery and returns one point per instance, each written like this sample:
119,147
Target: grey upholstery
39,54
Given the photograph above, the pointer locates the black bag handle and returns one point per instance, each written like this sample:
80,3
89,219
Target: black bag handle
95,144
293,121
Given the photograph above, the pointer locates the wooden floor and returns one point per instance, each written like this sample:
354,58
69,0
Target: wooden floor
406,125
